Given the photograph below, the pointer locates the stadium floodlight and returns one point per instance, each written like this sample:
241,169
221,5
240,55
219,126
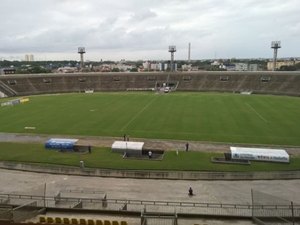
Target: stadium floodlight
275,45
172,49
81,51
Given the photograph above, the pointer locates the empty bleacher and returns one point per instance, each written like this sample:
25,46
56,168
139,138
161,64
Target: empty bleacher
284,83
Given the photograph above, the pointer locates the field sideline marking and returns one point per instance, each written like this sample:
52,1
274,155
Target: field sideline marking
260,116
136,115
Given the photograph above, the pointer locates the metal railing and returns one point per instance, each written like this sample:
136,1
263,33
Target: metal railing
132,205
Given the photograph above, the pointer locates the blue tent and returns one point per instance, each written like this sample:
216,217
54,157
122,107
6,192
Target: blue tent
60,143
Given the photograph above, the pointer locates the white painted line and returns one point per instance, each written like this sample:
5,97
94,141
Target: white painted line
29,128
136,115
260,116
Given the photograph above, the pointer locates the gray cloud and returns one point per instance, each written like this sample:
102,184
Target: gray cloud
143,15
131,28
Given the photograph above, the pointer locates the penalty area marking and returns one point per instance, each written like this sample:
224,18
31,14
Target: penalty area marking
260,116
138,113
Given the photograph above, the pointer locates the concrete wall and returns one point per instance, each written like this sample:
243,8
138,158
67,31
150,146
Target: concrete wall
172,175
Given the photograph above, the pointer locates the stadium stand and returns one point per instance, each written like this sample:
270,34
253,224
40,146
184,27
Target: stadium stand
282,83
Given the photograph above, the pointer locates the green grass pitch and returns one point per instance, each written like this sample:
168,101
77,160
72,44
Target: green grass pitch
216,117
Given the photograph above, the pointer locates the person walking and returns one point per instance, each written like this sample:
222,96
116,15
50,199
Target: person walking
191,191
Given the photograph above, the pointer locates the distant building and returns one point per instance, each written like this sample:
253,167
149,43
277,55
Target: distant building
146,65
241,66
189,67
29,58
166,66
228,67
154,66
195,68
163,66
67,69
174,67
10,70
102,68
234,66
160,66
186,67
123,67
215,63
281,63
253,67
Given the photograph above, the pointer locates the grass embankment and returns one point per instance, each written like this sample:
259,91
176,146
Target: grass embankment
104,158
213,117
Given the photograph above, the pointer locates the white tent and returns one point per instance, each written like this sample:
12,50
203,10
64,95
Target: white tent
260,154
128,147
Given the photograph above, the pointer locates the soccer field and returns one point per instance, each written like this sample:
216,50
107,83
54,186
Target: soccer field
217,117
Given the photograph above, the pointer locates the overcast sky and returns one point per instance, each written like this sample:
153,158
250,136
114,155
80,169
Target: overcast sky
143,29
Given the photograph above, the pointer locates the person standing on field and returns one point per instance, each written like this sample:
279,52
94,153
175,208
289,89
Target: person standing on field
187,147
150,154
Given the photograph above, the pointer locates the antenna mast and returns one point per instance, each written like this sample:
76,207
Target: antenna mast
189,54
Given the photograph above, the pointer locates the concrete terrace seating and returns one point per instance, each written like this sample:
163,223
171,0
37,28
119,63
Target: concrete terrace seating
285,83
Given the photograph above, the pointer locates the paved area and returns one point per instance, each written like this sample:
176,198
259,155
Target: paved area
235,192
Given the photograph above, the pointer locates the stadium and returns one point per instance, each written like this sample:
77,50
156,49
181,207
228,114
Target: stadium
209,110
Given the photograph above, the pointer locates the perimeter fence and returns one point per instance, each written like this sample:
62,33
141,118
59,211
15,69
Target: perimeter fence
264,212
187,208
159,218
19,213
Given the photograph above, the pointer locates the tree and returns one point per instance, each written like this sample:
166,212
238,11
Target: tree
134,70
115,70
287,68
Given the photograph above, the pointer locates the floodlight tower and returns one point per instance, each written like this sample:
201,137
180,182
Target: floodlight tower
275,45
172,49
81,51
